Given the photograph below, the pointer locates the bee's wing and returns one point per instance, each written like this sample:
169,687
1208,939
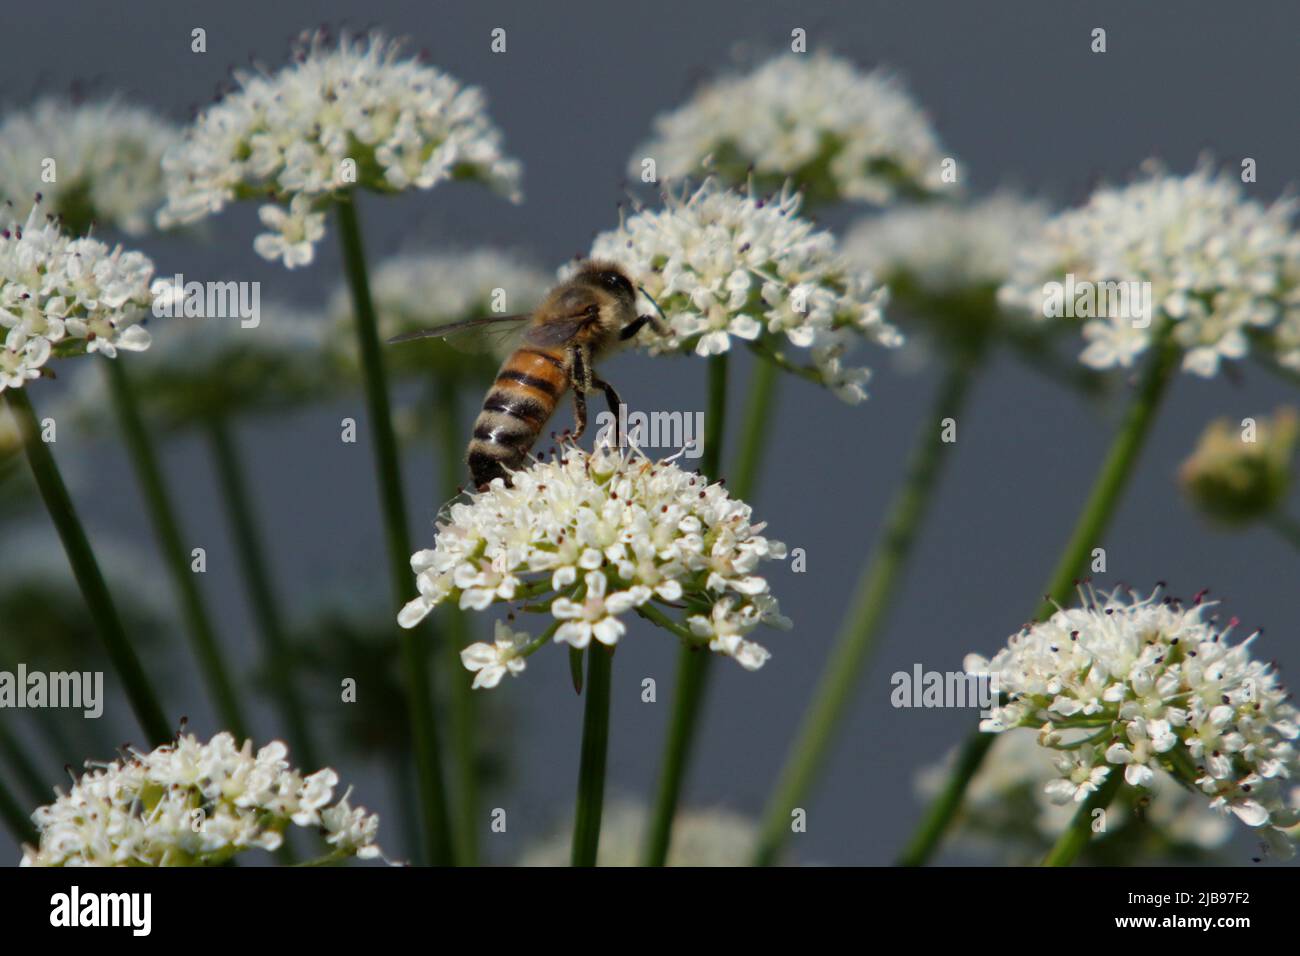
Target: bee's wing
556,331
495,334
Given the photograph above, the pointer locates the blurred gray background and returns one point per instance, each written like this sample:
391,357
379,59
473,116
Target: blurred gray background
1014,93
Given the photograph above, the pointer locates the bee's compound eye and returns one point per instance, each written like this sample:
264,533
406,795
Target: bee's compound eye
616,282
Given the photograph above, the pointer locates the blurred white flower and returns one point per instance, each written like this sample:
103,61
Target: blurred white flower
721,263
837,133
1219,267
194,804
701,837
419,289
590,538
1008,810
1147,685
946,249
1233,481
106,156
342,115
198,368
61,296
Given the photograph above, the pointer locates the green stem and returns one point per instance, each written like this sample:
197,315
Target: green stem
455,636
715,418
424,737
1076,836
756,429
19,824
595,746
38,790
144,702
1097,512
692,665
877,586
256,572
166,526
1286,526
1114,475
939,814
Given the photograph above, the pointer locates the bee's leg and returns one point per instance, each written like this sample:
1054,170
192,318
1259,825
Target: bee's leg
580,382
633,327
614,402
579,414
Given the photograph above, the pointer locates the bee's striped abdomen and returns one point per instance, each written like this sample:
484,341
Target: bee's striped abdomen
526,391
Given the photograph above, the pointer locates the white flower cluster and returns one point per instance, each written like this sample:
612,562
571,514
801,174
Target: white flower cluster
1146,684
339,116
592,538
417,290
1218,265
106,156
60,295
194,804
839,134
944,249
1007,811
701,837
721,263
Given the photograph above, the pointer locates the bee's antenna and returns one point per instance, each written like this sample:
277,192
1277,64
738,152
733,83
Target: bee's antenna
643,291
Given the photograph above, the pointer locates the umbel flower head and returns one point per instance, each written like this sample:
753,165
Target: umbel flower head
1007,814
342,115
701,837
589,538
721,264
1240,473
204,368
1142,686
62,296
837,133
1217,265
95,163
195,804
945,249
421,289
944,261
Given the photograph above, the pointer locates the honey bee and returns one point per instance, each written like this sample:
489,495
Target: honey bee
578,321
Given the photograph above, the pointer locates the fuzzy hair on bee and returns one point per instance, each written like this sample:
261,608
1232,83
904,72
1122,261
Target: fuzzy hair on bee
580,320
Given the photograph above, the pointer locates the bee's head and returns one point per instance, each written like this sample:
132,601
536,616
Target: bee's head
610,278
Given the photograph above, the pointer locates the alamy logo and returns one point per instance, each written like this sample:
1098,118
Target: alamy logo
684,430
949,689
1128,299
82,690
103,909
175,298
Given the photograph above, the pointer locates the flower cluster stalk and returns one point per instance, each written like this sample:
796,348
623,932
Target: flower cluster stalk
692,664
877,586
256,573
1100,507
455,633
433,802
595,747
144,702
1076,835
162,512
